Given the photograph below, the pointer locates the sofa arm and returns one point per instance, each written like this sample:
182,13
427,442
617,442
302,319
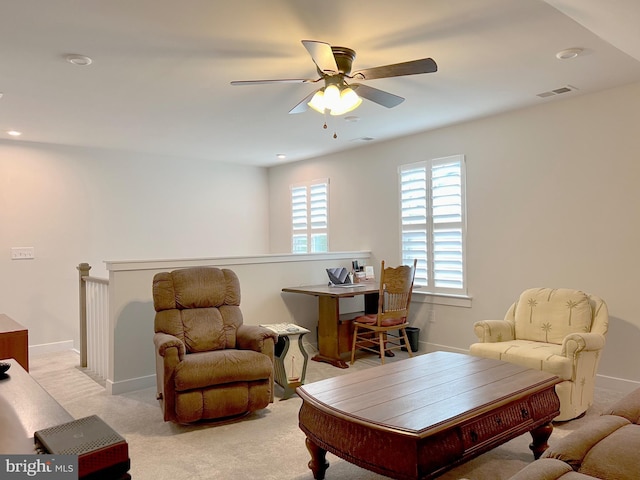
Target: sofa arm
164,341
254,337
492,331
547,469
627,407
575,343
573,448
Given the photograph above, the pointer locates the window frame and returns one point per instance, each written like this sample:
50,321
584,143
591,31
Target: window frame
426,261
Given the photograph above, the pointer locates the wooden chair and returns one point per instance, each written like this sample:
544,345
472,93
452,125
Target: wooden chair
373,332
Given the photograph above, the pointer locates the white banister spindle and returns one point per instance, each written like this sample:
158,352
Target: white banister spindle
97,324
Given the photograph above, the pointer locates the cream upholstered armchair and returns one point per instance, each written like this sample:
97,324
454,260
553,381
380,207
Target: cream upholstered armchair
560,331
208,363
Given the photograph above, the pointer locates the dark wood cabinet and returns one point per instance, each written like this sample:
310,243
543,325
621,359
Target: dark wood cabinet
14,341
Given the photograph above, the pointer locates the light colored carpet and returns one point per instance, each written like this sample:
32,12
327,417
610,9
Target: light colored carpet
264,445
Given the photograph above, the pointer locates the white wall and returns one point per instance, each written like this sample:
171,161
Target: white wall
553,200
552,191
87,205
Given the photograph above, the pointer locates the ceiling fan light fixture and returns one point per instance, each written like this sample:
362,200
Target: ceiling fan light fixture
335,101
331,97
317,102
349,101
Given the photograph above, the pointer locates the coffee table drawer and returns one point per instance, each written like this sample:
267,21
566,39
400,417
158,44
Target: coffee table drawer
490,425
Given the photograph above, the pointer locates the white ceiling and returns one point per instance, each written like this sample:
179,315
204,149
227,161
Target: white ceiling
159,82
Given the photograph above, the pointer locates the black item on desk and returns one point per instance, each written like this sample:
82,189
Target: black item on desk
339,276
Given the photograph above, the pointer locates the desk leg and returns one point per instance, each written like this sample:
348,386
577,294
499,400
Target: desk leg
328,319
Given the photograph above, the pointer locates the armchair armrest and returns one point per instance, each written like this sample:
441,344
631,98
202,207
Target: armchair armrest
260,339
170,351
254,337
575,343
164,341
492,331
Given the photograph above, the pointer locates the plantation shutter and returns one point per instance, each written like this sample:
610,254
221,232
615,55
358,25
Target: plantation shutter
310,217
433,222
299,219
447,201
414,204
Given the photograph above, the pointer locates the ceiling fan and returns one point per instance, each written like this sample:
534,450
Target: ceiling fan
337,96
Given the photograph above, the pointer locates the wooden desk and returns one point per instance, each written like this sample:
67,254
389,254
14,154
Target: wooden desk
29,405
334,338
14,341
417,418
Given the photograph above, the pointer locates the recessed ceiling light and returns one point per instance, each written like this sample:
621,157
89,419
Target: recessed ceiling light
14,133
569,53
79,60
280,156
351,118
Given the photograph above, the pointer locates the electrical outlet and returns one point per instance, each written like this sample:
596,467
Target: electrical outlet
22,253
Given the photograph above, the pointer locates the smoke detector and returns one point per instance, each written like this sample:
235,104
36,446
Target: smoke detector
79,60
569,53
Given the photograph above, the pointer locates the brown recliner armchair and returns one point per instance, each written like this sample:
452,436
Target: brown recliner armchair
209,365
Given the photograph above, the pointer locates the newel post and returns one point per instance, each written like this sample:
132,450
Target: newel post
83,270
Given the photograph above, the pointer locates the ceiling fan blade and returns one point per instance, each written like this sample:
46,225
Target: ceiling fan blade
302,105
380,97
322,55
425,65
264,82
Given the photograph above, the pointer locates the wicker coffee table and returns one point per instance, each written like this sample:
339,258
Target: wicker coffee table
417,418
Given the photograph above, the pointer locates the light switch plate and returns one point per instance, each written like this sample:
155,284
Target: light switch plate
22,253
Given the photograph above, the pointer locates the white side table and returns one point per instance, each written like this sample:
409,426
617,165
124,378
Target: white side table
290,356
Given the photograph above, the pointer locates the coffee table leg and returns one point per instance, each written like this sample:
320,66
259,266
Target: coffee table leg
540,436
318,463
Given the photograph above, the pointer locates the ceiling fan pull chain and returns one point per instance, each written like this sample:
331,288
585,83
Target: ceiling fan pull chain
326,126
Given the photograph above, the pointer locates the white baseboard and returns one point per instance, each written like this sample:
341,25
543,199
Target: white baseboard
45,348
434,347
617,384
130,384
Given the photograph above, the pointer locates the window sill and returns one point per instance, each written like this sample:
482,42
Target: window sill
441,299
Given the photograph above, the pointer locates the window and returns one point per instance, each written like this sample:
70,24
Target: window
310,217
433,217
